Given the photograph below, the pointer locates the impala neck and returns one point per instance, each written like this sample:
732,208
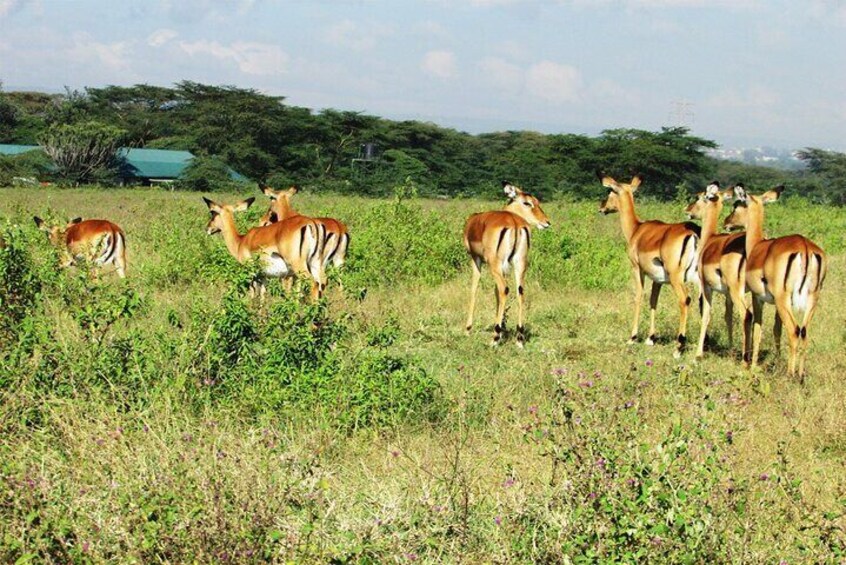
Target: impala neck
230,233
282,207
754,226
628,218
709,222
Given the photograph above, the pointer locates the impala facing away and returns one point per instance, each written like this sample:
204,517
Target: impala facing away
666,253
337,237
289,248
99,242
722,262
787,271
501,239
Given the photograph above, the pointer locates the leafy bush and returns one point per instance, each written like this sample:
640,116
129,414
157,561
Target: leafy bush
20,285
207,173
32,165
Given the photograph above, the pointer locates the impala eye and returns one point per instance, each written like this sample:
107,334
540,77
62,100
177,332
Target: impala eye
529,204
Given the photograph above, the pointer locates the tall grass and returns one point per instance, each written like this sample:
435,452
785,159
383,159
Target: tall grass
172,418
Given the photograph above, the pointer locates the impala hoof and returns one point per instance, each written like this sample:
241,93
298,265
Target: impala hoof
677,354
649,341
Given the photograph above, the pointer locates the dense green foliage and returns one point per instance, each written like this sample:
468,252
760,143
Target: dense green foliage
264,138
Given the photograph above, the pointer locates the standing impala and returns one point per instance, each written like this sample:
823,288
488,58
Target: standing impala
787,271
337,237
501,239
722,262
289,248
97,241
666,253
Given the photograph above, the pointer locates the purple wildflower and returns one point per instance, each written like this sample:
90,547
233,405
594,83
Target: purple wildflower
764,477
498,520
586,384
600,463
649,362
509,482
729,436
628,404
559,371
533,409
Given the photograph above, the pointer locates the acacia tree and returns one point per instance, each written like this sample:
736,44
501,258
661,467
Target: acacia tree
83,152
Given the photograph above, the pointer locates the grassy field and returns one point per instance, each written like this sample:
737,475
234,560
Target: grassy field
171,418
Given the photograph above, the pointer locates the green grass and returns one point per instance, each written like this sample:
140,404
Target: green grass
198,425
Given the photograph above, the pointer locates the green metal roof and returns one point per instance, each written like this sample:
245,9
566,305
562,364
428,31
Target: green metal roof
154,163
16,149
139,163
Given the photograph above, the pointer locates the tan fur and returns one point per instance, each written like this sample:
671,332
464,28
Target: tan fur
99,242
654,248
502,239
297,240
722,262
788,271
337,236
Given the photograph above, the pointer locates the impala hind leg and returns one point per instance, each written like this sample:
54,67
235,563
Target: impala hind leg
707,298
474,287
756,323
683,298
729,318
777,331
655,291
737,302
803,334
784,312
501,294
638,279
520,282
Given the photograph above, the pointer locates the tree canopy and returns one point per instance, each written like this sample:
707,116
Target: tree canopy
264,138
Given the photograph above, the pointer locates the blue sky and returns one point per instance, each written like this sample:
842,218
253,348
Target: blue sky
749,71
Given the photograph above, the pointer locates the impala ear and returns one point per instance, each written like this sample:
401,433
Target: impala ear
740,192
39,223
609,182
509,189
75,221
635,182
244,204
295,188
772,195
268,192
272,218
213,206
712,191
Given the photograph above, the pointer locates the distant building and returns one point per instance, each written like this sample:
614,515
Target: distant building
139,166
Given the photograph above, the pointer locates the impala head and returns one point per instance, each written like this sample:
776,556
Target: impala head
711,196
525,205
216,222
56,234
611,203
745,204
277,197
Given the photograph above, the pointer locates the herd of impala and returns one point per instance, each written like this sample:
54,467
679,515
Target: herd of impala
786,271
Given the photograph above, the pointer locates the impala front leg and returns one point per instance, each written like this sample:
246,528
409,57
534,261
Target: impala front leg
655,292
707,297
638,279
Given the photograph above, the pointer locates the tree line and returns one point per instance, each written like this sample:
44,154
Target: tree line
266,139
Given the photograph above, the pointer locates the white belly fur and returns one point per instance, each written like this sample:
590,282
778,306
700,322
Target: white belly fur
275,266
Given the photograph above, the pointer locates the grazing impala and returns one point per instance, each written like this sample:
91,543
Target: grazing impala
97,241
289,248
666,253
722,261
501,239
337,236
787,271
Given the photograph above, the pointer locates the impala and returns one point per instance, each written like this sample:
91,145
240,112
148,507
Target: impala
100,242
787,271
501,239
722,259
288,248
337,237
666,253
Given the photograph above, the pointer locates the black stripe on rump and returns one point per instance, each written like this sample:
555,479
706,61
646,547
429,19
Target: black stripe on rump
302,238
112,247
684,247
805,272
528,238
790,260
334,249
820,274
501,237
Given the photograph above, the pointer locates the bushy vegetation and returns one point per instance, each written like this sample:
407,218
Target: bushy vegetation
172,417
264,138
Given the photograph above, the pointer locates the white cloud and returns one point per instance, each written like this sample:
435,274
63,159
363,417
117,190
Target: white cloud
160,37
440,64
356,36
113,56
251,57
554,82
8,6
501,74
